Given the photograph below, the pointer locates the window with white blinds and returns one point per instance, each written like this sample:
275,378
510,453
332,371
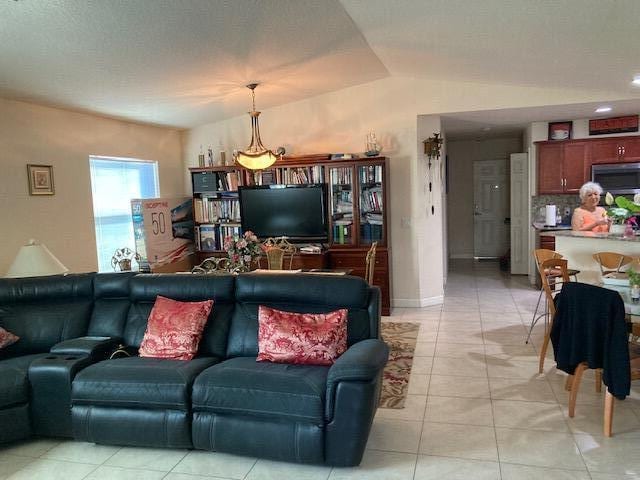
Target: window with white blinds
114,182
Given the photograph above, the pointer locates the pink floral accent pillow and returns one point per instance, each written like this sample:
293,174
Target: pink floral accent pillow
7,338
174,329
301,338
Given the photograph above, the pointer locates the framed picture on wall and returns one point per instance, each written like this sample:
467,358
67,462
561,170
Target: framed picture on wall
560,130
40,179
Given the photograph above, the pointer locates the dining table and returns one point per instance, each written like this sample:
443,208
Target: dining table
631,308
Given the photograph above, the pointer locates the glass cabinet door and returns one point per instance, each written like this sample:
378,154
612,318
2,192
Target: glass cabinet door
341,197
371,206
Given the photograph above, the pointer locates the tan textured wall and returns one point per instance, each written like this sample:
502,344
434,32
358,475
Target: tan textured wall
64,222
338,122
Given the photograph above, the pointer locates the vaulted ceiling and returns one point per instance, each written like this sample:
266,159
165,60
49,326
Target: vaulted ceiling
185,63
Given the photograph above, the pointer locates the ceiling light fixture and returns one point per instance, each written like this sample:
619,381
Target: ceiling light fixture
603,109
636,80
256,156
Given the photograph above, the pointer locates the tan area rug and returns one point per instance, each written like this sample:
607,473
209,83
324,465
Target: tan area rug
401,338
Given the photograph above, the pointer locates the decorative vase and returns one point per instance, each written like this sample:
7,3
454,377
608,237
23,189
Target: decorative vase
616,229
635,293
125,265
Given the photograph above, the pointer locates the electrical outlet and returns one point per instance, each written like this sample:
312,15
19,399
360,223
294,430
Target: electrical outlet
405,222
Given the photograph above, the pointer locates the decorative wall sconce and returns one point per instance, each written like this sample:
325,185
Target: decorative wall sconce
432,146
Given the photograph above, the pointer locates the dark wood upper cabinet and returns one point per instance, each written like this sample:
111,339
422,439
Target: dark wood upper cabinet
575,155
615,149
630,149
550,179
604,151
563,166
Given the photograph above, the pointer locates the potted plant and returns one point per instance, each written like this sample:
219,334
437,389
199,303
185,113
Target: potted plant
621,212
634,283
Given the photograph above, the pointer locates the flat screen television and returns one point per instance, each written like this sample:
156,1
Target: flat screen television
298,212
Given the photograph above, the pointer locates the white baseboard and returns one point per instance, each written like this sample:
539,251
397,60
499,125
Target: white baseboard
461,255
418,302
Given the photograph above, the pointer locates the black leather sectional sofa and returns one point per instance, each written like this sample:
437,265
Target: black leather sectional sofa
57,379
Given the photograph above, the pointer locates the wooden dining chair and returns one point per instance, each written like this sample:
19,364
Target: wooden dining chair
634,365
611,262
592,333
370,263
553,274
276,250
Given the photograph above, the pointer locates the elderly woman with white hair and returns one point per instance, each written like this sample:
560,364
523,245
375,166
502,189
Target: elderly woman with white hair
589,217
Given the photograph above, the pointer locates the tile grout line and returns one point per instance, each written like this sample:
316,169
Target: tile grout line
426,402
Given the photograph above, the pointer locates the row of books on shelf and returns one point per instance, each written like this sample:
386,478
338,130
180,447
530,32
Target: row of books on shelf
370,232
340,176
370,174
210,238
342,218
228,181
371,199
290,175
342,207
212,209
341,234
372,218
340,195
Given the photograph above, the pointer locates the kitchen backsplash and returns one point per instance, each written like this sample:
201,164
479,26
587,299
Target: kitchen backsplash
563,203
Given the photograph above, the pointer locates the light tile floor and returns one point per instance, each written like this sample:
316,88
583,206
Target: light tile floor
476,409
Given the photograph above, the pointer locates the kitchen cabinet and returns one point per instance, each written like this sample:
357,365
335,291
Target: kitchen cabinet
574,157
561,166
550,179
615,149
547,241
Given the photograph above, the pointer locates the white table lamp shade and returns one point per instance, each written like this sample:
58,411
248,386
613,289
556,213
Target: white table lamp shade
34,260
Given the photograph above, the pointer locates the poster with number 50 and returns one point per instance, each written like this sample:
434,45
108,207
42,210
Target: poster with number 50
163,231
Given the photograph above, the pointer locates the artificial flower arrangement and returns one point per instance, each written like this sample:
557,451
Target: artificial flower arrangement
242,251
624,208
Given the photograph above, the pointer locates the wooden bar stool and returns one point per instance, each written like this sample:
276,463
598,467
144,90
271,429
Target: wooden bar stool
611,262
540,255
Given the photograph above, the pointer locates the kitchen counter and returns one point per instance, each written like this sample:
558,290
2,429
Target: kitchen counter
541,227
593,235
578,248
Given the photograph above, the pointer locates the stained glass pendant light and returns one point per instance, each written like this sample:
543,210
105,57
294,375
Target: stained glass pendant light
256,156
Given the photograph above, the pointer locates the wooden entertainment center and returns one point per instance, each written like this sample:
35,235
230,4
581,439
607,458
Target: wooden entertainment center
358,190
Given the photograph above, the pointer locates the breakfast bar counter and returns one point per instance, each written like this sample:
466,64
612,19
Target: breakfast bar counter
578,248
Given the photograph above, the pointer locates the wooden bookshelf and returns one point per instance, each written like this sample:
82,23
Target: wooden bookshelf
358,190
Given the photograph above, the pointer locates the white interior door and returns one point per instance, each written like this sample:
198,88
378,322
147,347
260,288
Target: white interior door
519,169
491,208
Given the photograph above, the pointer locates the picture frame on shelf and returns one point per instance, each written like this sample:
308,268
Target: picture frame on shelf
40,179
560,130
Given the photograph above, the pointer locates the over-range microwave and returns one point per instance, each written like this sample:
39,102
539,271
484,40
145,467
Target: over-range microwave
617,178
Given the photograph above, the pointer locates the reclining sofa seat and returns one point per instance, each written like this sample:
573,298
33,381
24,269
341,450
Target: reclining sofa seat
42,311
140,401
324,412
300,413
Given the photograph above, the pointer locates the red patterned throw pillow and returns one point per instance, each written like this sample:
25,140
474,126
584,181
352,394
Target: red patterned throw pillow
301,338
174,328
7,338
